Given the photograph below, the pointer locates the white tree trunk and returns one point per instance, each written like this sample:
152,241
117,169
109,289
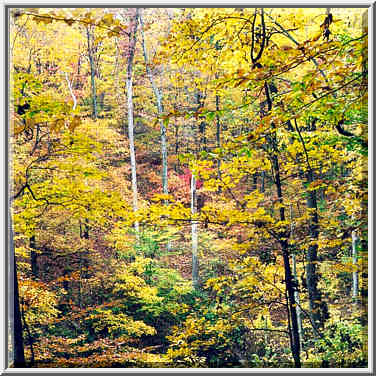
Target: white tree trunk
194,233
297,300
158,97
297,297
355,274
129,82
71,91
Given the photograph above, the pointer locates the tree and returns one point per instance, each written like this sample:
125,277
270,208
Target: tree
129,82
158,96
90,52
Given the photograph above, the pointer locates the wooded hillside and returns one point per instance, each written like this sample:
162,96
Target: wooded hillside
188,187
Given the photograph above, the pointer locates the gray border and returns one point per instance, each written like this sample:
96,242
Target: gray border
7,267
183,5
7,8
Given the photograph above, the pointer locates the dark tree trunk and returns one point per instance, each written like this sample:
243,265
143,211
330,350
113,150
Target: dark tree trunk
177,166
289,280
19,354
318,308
29,337
254,183
16,320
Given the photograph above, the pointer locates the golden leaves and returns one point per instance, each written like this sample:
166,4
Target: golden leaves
74,123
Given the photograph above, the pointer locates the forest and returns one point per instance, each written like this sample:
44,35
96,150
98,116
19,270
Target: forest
188,188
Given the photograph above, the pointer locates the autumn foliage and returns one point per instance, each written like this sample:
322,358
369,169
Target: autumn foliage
150,147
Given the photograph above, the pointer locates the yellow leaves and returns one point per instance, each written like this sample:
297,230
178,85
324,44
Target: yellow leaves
22,252
108,19
159,197
315,185
119,325
253,199
38,302
330,189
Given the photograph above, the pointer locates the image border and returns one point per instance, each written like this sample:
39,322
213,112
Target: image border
7,285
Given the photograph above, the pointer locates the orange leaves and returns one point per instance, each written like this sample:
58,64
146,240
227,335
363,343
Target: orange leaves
74,123
107,21
43,19
18,125
70,122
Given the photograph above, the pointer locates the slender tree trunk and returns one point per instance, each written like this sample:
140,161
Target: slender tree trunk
194,224
83,261
70,87
29,337
195,263
318,308
297,300
289,279
15,312
92,73
297,297
117,74
218,136
129,82
80,284
355,274
254,181
311,272
177,166
158,97
290,285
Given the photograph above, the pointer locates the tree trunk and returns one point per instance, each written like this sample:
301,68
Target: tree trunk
29,337
195,263
158,97
317,307
290,283
218,137
15,312
297,297
177,166
289,280
70,88
92,74
117,74
312,279
297,300
355,274
129,82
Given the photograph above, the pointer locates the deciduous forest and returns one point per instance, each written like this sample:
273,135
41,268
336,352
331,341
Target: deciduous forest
188,187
